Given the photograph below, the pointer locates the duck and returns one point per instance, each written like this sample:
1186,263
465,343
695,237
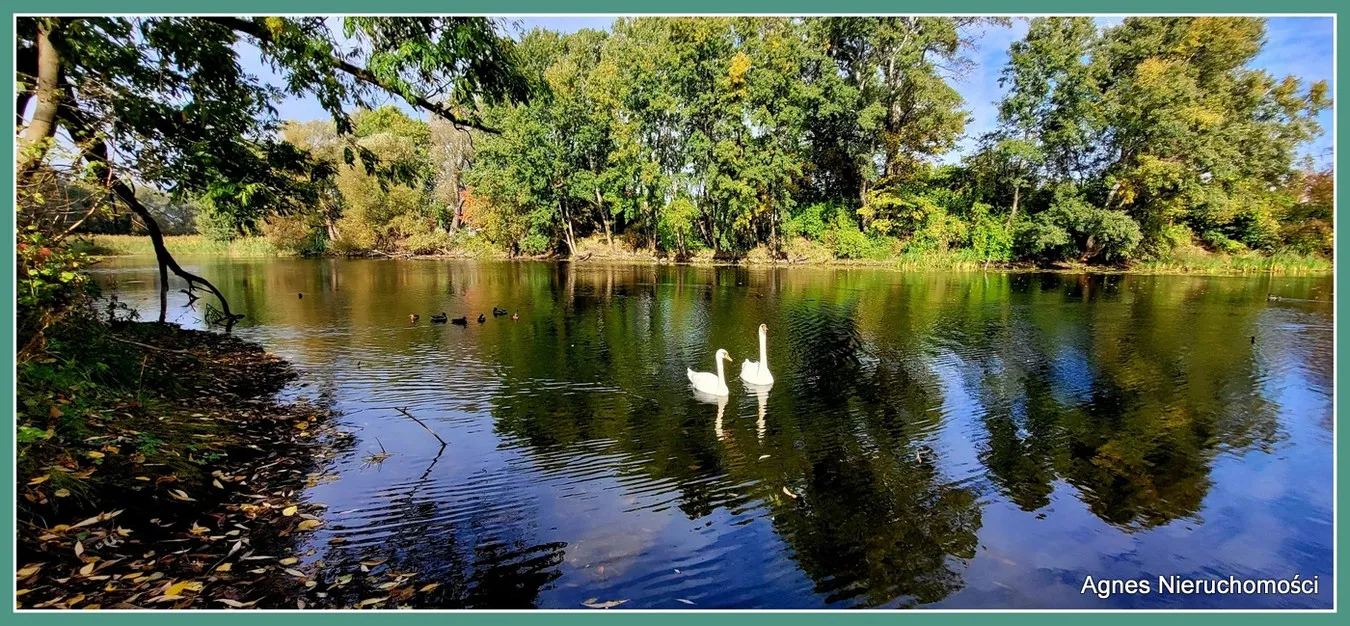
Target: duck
481,318
758,373
438,318
413,317
709,383
461,321
299,296
496,312
516,315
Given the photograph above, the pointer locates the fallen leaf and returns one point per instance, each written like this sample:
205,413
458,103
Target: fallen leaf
234,604
689,602
426,588
40,479
288,511
790,494
179,494
95,454
62,493
294,572
290,560
224,567
309,524
79,548
370,601
763,456
25,572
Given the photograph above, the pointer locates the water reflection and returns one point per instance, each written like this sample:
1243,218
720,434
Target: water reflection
1070,425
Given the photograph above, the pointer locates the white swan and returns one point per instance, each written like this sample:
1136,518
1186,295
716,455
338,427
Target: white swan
709,383
758,373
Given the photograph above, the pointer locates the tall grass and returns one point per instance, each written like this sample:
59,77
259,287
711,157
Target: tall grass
1280,262
178,245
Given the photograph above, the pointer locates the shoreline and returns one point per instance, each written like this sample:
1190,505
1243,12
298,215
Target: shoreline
184,498
1138,269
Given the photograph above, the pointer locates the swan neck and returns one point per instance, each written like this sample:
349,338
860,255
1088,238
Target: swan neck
763,350
721,377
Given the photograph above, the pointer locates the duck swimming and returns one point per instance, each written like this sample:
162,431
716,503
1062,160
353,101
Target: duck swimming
437,318
496,312
462,321
413,317
481,318
516,315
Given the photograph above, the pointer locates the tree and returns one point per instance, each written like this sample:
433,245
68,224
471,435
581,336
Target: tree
167,96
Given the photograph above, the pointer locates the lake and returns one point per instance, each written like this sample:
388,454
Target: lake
931,440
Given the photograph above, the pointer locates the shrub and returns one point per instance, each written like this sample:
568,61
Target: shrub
810,222
292,234
215,225
1073,228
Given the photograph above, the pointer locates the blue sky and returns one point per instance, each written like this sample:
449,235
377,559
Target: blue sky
1301,46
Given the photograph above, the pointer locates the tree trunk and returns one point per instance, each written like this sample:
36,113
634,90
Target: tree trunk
568,236
646,209
606,220
35,141
1012,215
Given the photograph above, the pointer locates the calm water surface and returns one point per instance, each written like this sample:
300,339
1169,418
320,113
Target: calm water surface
947,440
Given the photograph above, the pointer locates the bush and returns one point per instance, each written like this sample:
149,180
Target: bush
215,225
1072,228
810,222
1219,242
844,238
991,239
294,235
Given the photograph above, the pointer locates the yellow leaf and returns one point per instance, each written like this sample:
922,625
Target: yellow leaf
62,493
290,560
224,567
40,479
427,588
94,454
29,570
179,494
87,569
288,511
302,425
309,524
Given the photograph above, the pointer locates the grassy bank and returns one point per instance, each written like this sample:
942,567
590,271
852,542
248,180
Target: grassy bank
800,252
155,467
178,245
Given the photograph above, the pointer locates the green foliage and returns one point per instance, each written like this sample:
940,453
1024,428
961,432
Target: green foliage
1073,229
990,239
811,221
725,133
216,224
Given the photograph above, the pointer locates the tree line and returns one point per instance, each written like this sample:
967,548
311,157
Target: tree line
826,137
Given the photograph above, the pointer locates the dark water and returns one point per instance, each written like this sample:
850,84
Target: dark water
949,440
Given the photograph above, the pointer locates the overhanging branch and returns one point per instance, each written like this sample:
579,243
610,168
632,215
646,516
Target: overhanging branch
257,31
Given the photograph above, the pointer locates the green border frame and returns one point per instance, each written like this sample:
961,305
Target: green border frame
656,7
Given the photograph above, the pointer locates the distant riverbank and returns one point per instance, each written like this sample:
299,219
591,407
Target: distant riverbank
1191,261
